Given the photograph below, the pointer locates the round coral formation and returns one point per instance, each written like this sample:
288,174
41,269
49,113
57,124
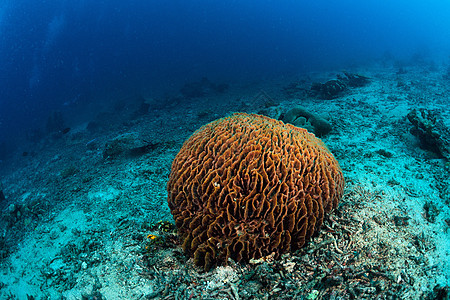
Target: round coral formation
248,186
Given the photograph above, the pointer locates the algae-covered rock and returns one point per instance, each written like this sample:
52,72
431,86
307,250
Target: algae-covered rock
431,131
131,145
330,89
300,117
121,144
335,87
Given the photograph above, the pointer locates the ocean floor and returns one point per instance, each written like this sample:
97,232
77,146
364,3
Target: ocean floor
86,215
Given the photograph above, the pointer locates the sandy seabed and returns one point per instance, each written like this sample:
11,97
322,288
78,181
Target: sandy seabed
77,224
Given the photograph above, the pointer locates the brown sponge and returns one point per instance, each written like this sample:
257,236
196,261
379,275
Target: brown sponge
247,186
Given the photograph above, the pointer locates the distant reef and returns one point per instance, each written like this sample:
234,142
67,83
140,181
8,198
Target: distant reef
330,89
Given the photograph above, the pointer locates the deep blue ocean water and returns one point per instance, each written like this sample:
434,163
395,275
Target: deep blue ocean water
61,54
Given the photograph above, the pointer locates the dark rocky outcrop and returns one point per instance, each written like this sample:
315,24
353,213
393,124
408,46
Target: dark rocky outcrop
335,87
330,89
431,131
130,145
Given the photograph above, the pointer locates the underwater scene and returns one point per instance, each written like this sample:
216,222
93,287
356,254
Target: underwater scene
224,149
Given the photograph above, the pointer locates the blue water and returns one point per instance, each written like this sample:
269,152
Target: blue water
60,54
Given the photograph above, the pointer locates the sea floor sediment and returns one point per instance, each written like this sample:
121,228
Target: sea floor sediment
81,224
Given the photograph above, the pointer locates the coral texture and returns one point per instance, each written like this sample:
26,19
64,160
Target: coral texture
248,186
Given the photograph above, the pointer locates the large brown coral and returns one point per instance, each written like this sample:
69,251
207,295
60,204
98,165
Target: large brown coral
248,186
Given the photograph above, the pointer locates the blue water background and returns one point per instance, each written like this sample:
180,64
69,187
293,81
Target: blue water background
58,54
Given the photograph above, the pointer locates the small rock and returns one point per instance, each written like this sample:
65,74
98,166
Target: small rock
334,280
11,208
400,221
54,234
313,295
431,211
384,153
62,227
47,272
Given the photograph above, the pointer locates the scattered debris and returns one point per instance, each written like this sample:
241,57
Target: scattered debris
339,263
439,293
